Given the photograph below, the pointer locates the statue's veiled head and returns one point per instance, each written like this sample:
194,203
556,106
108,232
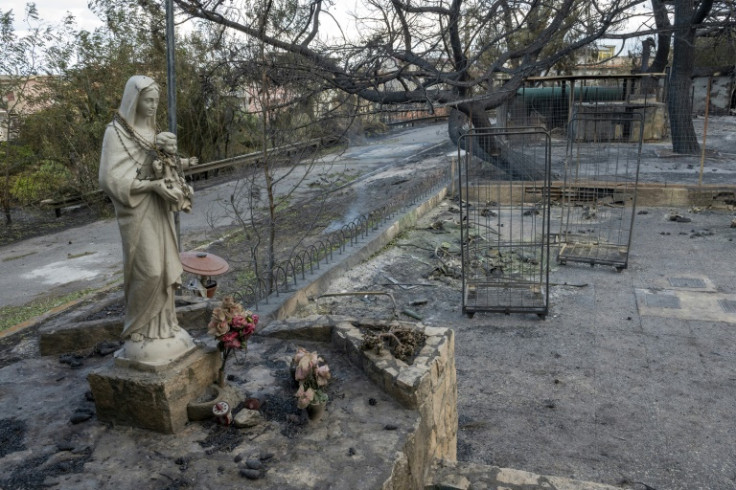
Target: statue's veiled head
138,87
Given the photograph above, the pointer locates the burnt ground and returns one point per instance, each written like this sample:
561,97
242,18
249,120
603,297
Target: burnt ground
57,442
609,387
613,386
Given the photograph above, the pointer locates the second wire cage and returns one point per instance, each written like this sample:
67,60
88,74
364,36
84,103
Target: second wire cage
599,191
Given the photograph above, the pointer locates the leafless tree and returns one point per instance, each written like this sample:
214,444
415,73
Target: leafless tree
468,55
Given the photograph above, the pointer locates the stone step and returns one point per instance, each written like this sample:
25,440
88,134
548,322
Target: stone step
471,476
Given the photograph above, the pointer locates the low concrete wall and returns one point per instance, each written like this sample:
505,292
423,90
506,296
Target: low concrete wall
72,333
428,385
647,194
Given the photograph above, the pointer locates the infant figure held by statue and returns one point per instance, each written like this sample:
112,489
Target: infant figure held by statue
165,164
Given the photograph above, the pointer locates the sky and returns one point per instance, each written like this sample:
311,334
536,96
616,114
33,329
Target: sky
53,12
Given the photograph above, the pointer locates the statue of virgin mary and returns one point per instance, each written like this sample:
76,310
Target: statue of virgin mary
152,268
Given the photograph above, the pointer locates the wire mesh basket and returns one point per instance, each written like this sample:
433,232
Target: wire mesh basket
505,221
598,196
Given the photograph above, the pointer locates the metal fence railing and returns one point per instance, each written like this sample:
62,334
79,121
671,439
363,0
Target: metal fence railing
308,259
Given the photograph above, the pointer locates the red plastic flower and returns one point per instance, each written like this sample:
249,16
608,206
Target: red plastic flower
238,321
230,340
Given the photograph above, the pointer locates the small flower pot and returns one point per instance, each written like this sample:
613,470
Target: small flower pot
211,288
315,411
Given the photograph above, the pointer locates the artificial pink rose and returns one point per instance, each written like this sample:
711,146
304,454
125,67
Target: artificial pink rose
228,309
236,309
228,302
255,318
248,329
300,352
230,340
218,315
232,344
238,322
304,368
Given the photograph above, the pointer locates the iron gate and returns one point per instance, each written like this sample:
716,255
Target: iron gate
505,221
599,189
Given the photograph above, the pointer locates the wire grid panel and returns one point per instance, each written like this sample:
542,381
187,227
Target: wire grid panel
505,224
598,195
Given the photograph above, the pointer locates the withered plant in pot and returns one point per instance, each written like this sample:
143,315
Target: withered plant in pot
312,373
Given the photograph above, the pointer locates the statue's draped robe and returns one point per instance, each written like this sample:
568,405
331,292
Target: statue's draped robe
152,267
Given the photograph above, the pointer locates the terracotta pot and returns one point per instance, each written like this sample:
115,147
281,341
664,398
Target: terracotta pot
315,411
211,288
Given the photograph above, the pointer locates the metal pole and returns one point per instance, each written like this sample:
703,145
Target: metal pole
705,131
171,89
170,66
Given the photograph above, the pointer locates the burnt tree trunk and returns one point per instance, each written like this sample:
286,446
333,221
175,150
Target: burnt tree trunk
679,101
664,39
492,149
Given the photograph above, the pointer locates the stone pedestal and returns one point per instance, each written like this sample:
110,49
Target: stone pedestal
155,354
155,400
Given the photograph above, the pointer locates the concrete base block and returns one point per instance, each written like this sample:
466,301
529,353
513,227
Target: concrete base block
153,400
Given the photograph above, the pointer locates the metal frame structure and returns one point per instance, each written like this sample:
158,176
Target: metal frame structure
505,225
600,186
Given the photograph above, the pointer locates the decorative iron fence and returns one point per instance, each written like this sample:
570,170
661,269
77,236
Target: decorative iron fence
308,258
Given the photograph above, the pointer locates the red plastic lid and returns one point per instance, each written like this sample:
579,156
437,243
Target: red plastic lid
203,263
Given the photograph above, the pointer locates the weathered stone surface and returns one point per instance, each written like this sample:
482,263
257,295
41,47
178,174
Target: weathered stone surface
453,482
201,407
247,418
316,328
152,400
79,336
452,475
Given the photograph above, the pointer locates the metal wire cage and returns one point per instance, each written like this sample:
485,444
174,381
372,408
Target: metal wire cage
505,222
599,189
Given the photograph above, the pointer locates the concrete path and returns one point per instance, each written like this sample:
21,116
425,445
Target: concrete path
89,257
